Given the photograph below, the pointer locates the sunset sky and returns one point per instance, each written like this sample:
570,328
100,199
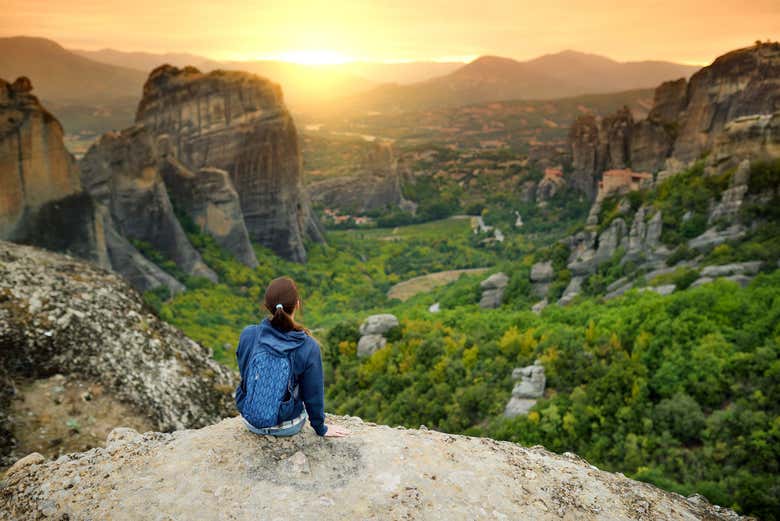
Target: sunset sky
691,31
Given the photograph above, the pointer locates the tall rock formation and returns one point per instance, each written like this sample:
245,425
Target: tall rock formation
597,145
122,173
236,122
373,184
728,111
744,82
41,200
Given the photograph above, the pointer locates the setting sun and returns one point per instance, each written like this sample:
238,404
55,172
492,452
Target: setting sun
312,57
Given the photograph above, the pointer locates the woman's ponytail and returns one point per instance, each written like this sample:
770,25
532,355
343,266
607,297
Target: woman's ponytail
282,320
281,300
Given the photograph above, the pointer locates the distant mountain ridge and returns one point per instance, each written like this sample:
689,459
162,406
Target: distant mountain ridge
96,90
147,61
495,78
61,75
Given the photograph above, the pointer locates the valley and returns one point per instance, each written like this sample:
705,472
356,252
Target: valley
507,215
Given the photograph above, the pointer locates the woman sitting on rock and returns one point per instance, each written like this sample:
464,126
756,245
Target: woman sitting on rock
281,370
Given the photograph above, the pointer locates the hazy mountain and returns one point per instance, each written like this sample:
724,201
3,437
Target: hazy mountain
60,75
146,61
401,73
492,78
375,72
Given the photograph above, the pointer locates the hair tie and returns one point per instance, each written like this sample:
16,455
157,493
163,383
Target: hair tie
279,306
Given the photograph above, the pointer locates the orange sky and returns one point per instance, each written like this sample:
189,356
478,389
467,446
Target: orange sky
692,31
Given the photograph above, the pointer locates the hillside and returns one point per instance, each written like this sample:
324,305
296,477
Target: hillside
375,473
62,76
493,78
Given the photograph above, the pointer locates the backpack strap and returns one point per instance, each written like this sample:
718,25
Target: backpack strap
292,389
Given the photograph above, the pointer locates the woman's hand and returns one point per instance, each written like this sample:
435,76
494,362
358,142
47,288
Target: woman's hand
336,431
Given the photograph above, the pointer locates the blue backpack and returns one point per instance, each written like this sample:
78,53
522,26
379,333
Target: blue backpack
269,387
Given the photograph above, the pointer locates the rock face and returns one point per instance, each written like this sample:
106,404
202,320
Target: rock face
728,110
236,122
60,315
121,172
739,83
526,391
372,333
209,199
493,290
381,473
41,199
731,199
374,184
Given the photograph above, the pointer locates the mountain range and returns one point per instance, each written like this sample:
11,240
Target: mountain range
493,78
62,75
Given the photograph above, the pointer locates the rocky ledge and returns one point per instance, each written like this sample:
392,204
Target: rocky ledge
225,472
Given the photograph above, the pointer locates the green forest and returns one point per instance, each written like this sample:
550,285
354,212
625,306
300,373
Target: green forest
681,391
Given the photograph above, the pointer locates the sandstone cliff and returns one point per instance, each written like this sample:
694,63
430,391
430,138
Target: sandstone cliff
236,122
225,472
121,172
728,111
371,185
41,200
61,315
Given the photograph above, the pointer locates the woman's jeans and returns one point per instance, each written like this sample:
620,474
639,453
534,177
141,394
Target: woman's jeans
287,428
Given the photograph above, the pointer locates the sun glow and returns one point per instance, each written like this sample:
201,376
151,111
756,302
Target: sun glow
311,57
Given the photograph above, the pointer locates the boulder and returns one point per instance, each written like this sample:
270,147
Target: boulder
742,280
542,272
666,289
701,281
539,306
381,473
737,268
518,406
572,290
369,344
62,315
531,381
236,122
619,290
713,236
526,391
378,324
493,290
